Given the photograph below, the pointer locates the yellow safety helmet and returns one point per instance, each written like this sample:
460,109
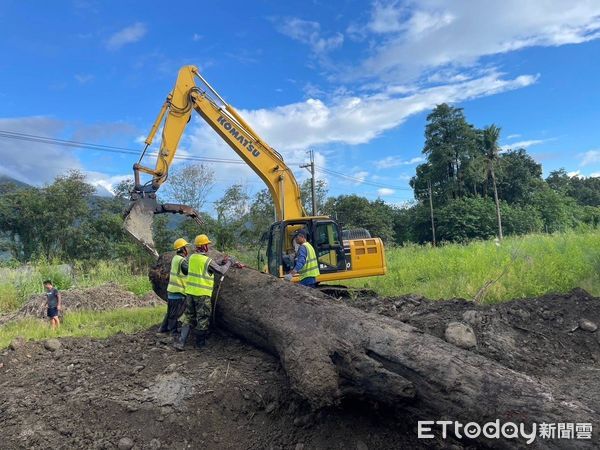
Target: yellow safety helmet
179,243
201,239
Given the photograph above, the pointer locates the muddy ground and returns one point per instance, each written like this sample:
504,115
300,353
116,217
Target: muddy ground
137,391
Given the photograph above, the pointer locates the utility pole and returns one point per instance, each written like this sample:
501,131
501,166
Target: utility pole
431,209
311,169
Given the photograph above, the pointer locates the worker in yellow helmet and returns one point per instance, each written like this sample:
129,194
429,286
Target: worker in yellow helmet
198,289
176,303
307,266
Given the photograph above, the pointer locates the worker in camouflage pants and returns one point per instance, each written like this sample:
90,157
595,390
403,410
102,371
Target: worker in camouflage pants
199,286
197,314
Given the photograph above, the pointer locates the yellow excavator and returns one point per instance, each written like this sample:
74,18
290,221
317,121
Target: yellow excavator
338,258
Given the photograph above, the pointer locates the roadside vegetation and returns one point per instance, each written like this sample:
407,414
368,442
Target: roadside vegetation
517,267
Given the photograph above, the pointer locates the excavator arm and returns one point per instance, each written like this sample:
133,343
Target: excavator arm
175,114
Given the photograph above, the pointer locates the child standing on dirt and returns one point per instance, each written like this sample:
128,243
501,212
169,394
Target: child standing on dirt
53,302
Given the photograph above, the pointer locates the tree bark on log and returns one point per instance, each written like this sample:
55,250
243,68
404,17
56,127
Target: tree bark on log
330,350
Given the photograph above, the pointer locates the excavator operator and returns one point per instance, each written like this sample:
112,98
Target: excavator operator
306,262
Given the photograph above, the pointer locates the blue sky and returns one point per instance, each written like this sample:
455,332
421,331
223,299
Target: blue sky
352,80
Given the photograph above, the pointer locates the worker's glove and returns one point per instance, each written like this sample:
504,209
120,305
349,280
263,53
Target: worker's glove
288,277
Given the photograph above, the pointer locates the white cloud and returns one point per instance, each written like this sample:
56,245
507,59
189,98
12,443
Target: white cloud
83,78
34,163
574,173
395,161
590,157
513,136
356,120
385,191
309,32
360,176
38,163
594,174
524,144
105,184
127,35
415,36
197,37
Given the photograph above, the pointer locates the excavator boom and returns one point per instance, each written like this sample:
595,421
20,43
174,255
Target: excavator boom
175,114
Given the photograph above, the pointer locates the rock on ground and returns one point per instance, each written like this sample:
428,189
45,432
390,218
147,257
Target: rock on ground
461,335
52,344
587,325
125,444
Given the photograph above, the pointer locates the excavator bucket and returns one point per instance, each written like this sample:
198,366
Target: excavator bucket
138,222
139,217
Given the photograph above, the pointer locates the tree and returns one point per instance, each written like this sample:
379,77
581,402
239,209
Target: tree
190,185
353,211
559,181
450,146
259,218
231,211
20,213
466,218
46,221
123,189
518,176
306,195
558,211
585,190
491,134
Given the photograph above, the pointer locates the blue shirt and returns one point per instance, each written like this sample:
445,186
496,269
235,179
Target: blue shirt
301,260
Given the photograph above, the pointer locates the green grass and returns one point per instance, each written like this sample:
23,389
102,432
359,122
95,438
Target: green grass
85,323
532,265
116,272
19,283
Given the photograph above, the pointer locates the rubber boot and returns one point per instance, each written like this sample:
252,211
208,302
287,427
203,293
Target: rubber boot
164,328
201,339
180,343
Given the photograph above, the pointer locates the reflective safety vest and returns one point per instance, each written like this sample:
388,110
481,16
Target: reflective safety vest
176,278
199,282
311,267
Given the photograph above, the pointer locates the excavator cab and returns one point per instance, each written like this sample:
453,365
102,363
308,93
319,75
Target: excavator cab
323,233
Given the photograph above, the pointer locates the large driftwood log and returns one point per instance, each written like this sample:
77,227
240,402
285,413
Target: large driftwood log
330,350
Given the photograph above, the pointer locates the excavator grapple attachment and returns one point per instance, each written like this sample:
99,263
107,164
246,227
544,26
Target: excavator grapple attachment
139,217
138,222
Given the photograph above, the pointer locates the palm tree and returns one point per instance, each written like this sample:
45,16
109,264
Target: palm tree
491,134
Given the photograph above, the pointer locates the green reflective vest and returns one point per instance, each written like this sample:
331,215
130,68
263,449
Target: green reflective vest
176,278
199,282
311,267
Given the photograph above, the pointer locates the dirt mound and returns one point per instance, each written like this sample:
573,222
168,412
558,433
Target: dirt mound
531,335
92,394
546,337
100,298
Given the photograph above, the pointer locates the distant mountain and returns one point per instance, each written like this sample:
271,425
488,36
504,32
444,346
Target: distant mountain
5,179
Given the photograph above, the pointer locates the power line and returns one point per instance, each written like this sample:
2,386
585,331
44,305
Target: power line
103,148
360,180
123,150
